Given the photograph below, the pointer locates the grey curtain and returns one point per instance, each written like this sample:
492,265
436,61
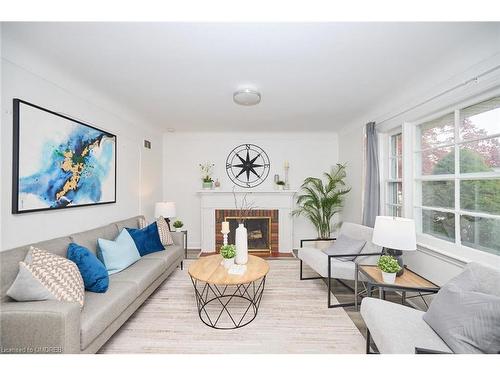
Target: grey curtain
371,203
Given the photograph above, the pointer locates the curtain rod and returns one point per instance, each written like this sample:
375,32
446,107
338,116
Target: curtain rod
474,79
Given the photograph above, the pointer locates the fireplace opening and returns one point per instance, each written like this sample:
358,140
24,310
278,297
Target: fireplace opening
262,229
258,232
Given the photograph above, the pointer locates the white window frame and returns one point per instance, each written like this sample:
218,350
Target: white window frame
386,178
453,249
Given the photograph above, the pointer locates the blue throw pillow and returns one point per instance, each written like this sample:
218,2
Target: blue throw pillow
118,254
147,239
94,274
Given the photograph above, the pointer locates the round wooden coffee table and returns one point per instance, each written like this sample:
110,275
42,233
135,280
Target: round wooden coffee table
227,301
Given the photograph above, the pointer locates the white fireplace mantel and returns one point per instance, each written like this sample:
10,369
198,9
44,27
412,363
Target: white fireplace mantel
282,200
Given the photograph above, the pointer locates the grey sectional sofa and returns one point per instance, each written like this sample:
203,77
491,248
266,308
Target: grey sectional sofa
60,327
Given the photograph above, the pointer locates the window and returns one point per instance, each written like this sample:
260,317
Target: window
394,182
457,190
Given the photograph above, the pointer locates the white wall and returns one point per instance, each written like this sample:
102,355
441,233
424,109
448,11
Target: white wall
309,154
139,173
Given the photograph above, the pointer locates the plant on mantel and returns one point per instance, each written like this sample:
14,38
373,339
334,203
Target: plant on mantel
206,174
320,200
281,184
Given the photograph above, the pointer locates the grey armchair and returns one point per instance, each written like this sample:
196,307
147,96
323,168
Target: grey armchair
329,267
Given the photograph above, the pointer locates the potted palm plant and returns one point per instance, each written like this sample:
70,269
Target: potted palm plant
389,267
228,252
320,200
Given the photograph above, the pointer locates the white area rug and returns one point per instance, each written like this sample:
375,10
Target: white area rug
293,318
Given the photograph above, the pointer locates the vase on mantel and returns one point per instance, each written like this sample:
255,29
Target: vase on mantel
241,245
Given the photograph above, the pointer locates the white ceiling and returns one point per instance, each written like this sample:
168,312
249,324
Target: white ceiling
314,77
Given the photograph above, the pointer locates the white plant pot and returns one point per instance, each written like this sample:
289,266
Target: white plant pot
178,229
241,245
389,278
228,262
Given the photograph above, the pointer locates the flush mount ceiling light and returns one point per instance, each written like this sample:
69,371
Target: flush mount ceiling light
246,97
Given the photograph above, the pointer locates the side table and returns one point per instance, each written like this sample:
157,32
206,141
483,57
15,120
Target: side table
409,281
185,233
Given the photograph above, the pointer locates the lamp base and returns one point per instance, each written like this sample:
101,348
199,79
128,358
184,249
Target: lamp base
398,254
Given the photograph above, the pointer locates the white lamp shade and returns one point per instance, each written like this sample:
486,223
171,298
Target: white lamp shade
395,233
165,209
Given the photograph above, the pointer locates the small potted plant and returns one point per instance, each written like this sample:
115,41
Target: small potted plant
389,267
228,252
207,182
206,175
281,185
178,225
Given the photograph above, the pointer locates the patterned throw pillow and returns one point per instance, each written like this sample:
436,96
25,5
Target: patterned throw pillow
163,232
46,276
142,223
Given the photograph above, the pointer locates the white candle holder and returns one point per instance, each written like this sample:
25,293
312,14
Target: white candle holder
287,185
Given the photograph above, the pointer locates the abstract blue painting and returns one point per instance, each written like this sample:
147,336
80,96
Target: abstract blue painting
60,162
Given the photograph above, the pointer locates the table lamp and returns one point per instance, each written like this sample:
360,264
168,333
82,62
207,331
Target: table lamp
395,235
165,209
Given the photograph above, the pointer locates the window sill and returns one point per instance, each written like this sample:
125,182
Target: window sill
454,254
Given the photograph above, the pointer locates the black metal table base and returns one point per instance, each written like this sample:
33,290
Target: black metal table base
228,306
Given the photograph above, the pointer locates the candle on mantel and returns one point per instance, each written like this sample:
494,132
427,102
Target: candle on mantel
287,164
225,227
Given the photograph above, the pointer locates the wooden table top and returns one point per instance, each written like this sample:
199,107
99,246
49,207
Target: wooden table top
408,279
210,270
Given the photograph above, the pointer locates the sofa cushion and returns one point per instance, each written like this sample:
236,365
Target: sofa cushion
94,273
169,256
318,261
142,273
147,239
133,222
46,276
398,329
118,254
101,309
89,238
345,245
58,246
465,318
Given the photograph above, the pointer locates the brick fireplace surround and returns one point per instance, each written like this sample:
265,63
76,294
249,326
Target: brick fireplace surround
220,216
